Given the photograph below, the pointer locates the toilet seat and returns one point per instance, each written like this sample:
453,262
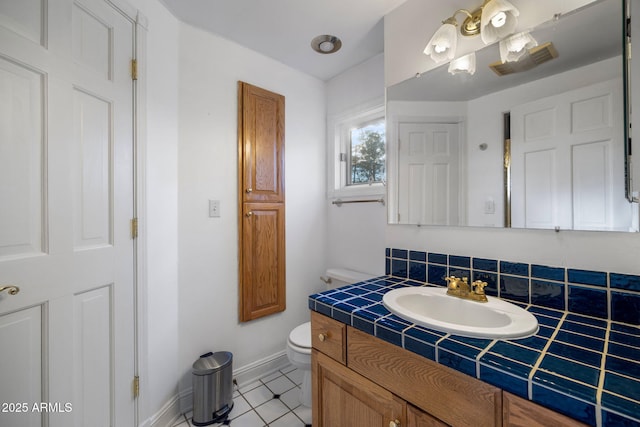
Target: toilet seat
300,338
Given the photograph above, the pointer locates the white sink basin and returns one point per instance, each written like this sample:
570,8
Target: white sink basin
433,308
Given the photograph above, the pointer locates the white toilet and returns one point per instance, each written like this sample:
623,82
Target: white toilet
299,341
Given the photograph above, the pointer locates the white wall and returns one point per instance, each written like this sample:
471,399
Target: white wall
355,231
210,68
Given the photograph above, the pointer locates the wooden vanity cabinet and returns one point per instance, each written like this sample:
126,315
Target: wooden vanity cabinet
384,385
361,380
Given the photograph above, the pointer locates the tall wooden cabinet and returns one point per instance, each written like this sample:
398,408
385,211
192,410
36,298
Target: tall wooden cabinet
261,199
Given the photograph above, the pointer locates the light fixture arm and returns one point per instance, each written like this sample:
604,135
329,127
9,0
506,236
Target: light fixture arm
452,19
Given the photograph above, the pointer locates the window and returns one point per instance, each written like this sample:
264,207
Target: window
357,156
366,163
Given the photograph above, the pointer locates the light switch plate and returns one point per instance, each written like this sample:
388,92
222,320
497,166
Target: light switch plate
214,208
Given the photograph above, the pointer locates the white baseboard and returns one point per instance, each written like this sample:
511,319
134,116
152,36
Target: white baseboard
183,401
261,368
167,416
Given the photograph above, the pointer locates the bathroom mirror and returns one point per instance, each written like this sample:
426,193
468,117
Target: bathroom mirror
543,147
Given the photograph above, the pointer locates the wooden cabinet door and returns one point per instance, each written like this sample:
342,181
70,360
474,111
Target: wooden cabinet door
263,260
261,135
519,412
342,397
418,418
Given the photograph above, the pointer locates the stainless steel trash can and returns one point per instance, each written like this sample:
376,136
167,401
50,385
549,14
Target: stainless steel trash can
212,388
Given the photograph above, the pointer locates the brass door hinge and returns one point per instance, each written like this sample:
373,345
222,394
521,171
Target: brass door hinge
136,386
134,228
134,69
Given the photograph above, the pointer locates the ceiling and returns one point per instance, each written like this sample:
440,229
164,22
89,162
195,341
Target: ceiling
283,29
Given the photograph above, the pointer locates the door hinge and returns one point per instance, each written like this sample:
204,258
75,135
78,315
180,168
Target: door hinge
134,69
136,386
134,228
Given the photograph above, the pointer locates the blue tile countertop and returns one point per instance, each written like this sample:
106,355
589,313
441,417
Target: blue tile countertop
582,366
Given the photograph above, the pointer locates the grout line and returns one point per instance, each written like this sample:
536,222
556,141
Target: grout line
482,353
603,364
543,353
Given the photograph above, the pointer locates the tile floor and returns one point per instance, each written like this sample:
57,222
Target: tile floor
271,401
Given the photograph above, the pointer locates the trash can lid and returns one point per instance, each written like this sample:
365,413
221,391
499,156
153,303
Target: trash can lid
212,362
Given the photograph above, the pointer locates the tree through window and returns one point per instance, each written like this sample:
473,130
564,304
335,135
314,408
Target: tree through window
367,153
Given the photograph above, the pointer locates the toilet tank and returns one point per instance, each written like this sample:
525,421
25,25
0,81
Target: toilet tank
337,277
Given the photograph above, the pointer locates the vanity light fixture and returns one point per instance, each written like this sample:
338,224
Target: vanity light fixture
326,44
494,20
464,64
514,47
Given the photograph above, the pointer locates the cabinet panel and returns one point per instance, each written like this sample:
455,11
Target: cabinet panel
262,134
519,412
448,395
344,398
329,336
418,418
263,260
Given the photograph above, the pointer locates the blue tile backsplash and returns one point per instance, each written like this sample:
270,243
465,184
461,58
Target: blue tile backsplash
612,296
583,362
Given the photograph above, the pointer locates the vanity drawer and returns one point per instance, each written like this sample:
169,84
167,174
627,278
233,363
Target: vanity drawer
329,336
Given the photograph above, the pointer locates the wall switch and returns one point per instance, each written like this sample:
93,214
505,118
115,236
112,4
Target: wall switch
489,206
214,208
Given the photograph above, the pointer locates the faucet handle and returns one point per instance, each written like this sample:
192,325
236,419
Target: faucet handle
479,286
452,282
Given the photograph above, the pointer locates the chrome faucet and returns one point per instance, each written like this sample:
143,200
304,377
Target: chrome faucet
460,288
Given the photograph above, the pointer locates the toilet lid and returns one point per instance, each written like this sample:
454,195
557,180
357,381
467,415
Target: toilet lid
301,335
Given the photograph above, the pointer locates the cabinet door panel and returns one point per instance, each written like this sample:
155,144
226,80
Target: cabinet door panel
262,142
342,397
263,260
418,418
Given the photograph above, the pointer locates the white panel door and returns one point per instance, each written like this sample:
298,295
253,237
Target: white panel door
66,198
429,179
567,161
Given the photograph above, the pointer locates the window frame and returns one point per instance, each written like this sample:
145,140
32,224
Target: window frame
339,131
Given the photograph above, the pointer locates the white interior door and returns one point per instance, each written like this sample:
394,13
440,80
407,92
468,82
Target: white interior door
66,198
568,161
429,173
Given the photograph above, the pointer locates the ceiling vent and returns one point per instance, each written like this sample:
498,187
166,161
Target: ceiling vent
536,56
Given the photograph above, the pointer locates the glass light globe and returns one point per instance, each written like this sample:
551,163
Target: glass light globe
442,46
514,47
499,19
